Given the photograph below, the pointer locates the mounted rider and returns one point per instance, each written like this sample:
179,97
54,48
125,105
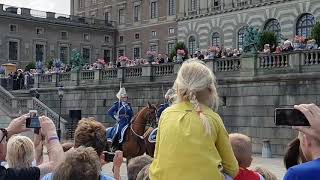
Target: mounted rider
122,112
170,98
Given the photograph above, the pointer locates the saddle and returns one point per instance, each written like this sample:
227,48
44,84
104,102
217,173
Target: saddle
111,135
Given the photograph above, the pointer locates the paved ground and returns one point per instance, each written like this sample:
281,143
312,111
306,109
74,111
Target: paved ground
275,165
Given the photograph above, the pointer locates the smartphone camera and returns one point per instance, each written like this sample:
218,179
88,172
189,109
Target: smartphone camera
33,121
108,156
290,117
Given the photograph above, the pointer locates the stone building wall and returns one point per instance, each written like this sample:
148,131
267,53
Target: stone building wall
247,103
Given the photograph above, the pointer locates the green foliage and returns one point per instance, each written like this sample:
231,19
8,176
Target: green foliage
315,34
251,39
29,66
268,38
49,63
179,45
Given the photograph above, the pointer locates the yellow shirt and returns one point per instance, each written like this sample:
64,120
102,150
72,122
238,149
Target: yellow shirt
183,150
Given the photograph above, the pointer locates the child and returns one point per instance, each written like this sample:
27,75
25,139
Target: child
242,148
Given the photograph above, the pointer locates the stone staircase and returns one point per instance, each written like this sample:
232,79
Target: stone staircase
13,106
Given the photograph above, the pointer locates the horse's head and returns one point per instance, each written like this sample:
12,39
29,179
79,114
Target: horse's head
151,114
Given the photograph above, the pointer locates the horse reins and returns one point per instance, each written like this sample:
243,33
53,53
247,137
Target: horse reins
136,134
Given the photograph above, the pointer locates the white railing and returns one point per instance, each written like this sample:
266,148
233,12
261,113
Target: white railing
270,61
87,75
228,64
163,70
109,74
64,76
133,72
310,58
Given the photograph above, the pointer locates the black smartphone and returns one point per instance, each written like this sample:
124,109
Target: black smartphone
33,121
108,156
290,117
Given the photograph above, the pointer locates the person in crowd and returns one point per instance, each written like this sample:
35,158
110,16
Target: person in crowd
293,155
287,46
67,146
20,152
190,133
55,152
309,144
144,173
91,133
266,49
169,97
136,164
81,163
229,52
200,55
242,148
161,60
121,112
266,174
278,49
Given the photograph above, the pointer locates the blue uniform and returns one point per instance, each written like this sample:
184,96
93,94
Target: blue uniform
161,109
122,113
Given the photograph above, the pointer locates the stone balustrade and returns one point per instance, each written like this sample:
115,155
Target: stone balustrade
244,66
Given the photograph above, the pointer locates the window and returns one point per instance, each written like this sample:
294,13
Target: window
305,24
136,53
170,47
216,5
64,35
121,39
193,4
107,39
86,36
171,30
120,52
13,50
107,17
86,54
241,3
273,25
192,45
137,36
154,47
153,11
93,1
64,54
121,16
107,55
172,7
136,13
241,33
154,34
39,31
81,4
13,28
215,39
39,52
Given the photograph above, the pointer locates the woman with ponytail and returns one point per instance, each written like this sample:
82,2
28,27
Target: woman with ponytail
192,142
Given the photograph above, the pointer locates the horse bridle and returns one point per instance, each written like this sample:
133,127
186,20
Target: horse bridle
148,117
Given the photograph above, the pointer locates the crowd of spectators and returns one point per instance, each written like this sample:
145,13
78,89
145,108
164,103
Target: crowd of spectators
192,143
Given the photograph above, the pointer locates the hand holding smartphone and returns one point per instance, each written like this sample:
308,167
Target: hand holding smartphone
108,156
290,117
33,121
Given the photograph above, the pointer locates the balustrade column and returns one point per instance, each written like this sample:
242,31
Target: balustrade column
210,65
75,76
97,74
120,74
36,80
147,72
248,65
295,61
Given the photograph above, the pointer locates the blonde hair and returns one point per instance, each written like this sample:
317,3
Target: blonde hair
194,77
20,152
241,146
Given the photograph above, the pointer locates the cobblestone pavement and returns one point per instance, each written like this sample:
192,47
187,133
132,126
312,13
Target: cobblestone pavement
275,165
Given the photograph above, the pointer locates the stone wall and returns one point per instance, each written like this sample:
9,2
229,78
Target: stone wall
247,103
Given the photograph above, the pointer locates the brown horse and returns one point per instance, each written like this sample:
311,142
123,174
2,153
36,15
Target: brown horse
134,144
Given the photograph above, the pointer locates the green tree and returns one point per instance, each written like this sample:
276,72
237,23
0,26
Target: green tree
49,63
315,34
179,45
268,37
29,66
77,61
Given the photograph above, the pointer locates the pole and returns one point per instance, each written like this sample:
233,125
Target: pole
59,130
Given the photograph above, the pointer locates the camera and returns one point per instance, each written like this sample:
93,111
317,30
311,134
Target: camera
33,121
290,117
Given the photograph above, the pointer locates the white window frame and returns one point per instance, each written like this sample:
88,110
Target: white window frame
16,25
18,49
67,35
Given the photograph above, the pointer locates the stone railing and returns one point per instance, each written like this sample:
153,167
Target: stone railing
44,78
64,77
244,66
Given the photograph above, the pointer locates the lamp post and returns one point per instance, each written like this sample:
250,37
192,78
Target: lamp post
60,94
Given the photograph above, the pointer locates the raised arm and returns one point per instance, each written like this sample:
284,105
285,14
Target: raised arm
55,151
113,110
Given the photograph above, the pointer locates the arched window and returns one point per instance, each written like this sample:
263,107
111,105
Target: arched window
305,24
241,33
215,41
273,25
192,45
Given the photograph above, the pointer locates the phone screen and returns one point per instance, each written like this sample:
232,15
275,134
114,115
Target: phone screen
33,121
108,156
290,117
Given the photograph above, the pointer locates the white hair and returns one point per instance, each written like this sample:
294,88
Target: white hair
20,152
194,77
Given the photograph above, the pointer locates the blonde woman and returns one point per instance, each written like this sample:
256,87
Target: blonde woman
20,152
192,142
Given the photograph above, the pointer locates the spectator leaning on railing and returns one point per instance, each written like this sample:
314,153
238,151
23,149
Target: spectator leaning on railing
56,155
